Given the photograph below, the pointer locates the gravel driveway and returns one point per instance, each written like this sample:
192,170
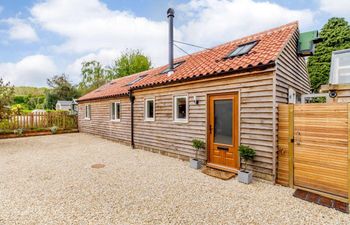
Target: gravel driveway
49,180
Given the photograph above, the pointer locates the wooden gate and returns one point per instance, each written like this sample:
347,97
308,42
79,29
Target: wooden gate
314,148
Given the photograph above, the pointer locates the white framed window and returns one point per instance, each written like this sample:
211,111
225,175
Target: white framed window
115,111
340,67
150,109
181,108
87,112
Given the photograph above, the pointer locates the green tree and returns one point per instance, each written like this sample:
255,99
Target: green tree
94,76
50,100
61,89
6,94
336,36
130,62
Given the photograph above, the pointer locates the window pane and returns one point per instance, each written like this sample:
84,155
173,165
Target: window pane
223,122
243,49
344,59
181,108
150,112
344,76
89,111
113,111
236,51
246,48
118,110
86,111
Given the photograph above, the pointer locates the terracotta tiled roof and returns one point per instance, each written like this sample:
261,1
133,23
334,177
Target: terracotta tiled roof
205,63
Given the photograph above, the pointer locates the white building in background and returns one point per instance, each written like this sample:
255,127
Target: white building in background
64,105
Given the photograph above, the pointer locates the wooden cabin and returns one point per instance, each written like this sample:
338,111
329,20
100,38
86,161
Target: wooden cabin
227,96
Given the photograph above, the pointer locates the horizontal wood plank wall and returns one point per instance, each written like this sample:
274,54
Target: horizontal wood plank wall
256,129
321,147
291,72
100,122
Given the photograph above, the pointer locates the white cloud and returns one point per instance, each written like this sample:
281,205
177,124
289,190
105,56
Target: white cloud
31,70
89,26
212,21
336,8
91,30
21,30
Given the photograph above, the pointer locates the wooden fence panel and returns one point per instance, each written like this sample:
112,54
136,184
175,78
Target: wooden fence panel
314,148
321,147
60,119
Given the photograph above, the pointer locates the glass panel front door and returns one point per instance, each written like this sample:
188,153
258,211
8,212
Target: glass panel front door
223,121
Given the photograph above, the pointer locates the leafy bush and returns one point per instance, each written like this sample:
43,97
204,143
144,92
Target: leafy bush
54,130
247,153
18,131
4,124
17,109
198,144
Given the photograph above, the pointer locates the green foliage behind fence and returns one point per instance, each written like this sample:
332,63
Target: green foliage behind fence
61,119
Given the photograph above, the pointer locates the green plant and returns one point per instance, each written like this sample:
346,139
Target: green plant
17,109
18,132
54,130
198,145
246,153
335,34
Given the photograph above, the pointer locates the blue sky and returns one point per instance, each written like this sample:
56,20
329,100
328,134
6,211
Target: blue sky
42,38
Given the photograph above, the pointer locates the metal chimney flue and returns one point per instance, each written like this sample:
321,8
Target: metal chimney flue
171,15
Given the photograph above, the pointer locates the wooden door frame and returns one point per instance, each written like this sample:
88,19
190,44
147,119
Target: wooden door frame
236,92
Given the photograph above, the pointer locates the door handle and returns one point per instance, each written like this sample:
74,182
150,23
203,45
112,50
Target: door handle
210,128
297,138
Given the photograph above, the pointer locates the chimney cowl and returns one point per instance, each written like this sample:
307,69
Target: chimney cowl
171,12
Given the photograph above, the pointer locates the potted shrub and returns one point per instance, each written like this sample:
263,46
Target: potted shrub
18,132
197,145
54,130
246,154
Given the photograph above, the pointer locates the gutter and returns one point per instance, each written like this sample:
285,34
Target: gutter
132,100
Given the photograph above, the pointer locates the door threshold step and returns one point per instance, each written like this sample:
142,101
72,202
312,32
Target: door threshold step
223,175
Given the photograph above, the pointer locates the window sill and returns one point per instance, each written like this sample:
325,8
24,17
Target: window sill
149,120
87,118
181,121
115,121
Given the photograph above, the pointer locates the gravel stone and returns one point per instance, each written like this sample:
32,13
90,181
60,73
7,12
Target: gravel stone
49,180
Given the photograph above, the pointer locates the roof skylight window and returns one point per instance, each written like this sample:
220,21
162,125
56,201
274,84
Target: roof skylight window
242,49
137,79
175,66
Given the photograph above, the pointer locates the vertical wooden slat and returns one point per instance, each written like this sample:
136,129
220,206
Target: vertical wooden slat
291,145
64,120
349,152
32,120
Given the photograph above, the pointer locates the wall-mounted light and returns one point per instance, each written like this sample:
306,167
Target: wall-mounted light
332,93
195,100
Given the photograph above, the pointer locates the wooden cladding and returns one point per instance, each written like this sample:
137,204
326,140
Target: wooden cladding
255,116
314,147
101,122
